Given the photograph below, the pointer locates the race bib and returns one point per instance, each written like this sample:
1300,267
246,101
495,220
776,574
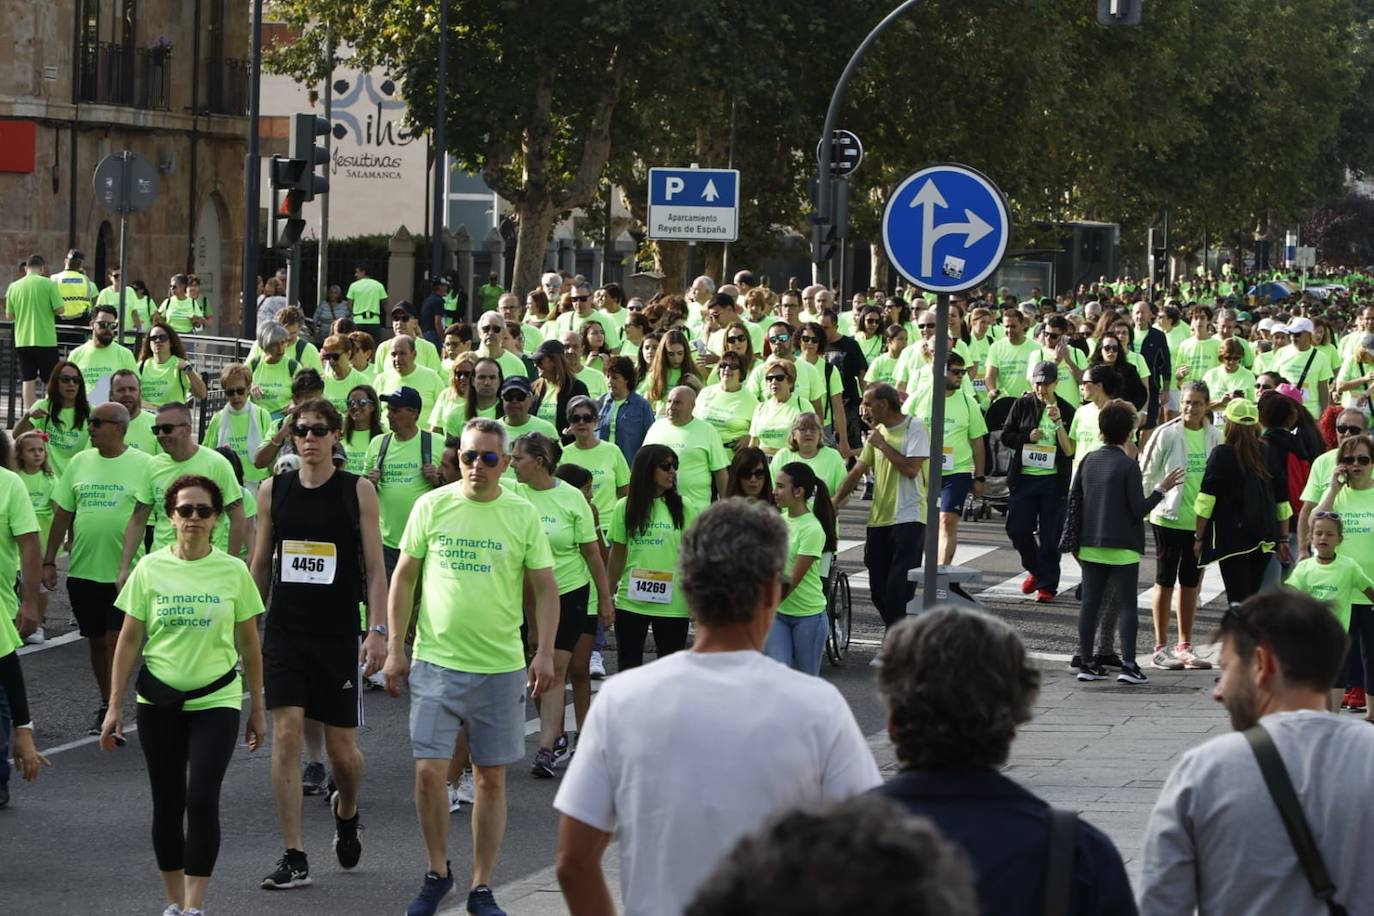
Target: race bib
1037,456
980,386
651,585
947,459
308,562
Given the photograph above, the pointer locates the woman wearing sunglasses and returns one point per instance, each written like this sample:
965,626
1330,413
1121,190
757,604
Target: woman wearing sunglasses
1230,379
362,423
728,405
163,371
806,443
748,476
811,340
736,340
339,375
1351,497
62,416
868,332
797,637
241,425
198,609
1112,351
772,421
450,408
646,533
603,460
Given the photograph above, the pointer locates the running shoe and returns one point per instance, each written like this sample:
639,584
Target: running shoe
99,721
1345,698
598,666
1043,596
172,910
347,846
1165,660
374,681
193,911
432,892
1131,674
329,791
1076,663
1185,654
1358,701
292,871
455,801
1111,660
481,902
542,768
1028,584
1092,673
467,791
36,638
312,778
562,751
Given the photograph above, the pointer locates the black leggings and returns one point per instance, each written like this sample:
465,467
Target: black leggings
631,629
172,739
1243,574
1103,582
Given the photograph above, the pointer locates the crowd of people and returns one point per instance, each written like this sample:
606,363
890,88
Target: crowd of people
464,511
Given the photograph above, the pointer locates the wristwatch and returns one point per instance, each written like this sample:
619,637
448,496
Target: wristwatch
980,478
378,628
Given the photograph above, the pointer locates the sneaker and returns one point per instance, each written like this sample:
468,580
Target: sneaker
542,768
36,638
434,890
1358,701
868,491
481,902
292,871
1092,673
347,846
877,662
1165,660
1111,660
1131,674
1345,698
467,790
374,681
172,910
598,667
193,911
1075,663
312,778
1028,584
562,751
455,801
1044,596
328,792
99,722
1184,651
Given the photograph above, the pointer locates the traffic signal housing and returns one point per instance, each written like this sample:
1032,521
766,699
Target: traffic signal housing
288,224
304,129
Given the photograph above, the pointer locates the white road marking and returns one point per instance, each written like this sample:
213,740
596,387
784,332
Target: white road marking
964,555
51,642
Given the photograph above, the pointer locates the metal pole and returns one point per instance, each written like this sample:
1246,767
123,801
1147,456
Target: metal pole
252,177
322,265
729,164
436,238
937,445
123,240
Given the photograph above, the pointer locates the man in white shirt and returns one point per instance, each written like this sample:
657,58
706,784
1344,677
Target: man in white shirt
764,737
1215,840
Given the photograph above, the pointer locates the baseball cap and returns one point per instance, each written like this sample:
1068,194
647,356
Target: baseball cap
517,383
549,348
1045,372
1292,392
405,396
1266,324
1241,411
399,311
1300,325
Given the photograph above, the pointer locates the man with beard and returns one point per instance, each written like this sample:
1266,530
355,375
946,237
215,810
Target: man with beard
1216,842
99,357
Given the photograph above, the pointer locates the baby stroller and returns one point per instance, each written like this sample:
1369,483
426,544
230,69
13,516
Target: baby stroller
996,466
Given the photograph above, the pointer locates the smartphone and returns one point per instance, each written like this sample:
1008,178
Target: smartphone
700,346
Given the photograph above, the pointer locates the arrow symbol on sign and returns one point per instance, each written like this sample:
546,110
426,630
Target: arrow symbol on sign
973,229
710,193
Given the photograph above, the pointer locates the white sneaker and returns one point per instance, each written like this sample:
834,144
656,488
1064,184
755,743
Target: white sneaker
598,667
375,681
36,638
454,800
877,662
172,910
466,792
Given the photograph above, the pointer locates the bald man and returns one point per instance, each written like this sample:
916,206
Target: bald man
702,458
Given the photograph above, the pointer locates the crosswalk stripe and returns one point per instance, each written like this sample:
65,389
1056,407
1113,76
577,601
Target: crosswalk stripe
1070,575
964,555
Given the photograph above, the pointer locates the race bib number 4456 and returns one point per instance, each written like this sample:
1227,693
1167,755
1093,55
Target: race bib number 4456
651,585
308,562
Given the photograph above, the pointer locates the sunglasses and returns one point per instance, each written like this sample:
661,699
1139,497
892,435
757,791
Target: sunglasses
330,355
755,474
727,367
107,325
953,370
69,379
580,298
635,308
96,422
1260,386
235,392
583,418
157,338
1349,430
926,327
809,338
1361,460
358,403
1334,516
1049,336
779,338
318,430
166,429
1111,349
462,375
514,396
472,456
668,466
737,338
201,510
776,378
490,329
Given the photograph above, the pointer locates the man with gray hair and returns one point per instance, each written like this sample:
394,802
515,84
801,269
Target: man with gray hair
762,737
491,331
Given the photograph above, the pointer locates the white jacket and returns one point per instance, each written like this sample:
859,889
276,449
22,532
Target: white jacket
1166,450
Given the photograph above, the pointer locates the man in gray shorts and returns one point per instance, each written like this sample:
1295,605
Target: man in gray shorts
476,546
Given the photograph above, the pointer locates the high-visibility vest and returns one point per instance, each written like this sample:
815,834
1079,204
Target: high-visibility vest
77,292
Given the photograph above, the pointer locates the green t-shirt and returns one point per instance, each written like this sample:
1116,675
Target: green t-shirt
163,382
1049,441
236,427
490,294
1319,477
426,355
882,368
1196,442
532,425
1108,556
1220,382
140,433
651,562
275,381
548,405
730,412
1200,356
1068,385
220,538
1290,363
897,499
963,423
1356,508
772,422
827,464
39,488
97,364
336,390
355,448
595,380
475,556
16,519
101,493
568,524
805,538
163,470
609,469
699,454
65,439
402,483
1013,361
190,609
1357,397
1340,583
1084,433
426,381
366,295
449,412
33,302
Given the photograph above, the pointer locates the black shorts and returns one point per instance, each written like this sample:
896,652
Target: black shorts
573,620
36,363
320,674
93,606
1174,558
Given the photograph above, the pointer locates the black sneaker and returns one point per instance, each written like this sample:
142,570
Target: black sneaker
99,722
562,751
1109,661
1075,663
292,871
542,768
347,846
1131,674
1092,673
432,892
329,791
481,902
312,778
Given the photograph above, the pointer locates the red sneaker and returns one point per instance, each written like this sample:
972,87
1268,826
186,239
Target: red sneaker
1345,698
1028,584
1044,596
1358,701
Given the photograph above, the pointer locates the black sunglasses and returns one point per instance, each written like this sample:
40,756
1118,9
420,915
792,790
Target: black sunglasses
776,378
107,325
70,379
157,338
235,392
318,430
186,510
668,466
755,474
330,355
1349,430
739,338
583,418
1361,460
472,456
166,429
516,395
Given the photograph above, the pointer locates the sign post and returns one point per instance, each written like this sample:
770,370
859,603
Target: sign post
946,229
125,183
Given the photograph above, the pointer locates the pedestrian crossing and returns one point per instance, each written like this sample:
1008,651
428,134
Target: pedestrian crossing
1071,575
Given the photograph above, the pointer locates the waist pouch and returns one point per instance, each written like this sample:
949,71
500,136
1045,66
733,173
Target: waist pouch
160,694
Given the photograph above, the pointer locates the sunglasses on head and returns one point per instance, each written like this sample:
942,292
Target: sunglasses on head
186,510
166,429
1361,460
1318,516
1349,430
318,430
235,392
472,456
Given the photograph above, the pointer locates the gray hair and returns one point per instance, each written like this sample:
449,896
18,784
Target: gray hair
493,315
550,280
485,425
729,556
1199,386
272,333
708,283
580,401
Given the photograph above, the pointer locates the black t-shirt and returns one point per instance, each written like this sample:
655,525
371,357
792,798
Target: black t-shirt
846,356
432,314
317,546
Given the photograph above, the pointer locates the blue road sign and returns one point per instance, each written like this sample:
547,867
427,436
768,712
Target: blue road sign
946,228
694,205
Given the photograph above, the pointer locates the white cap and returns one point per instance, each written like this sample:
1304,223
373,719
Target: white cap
1267,324
1300,325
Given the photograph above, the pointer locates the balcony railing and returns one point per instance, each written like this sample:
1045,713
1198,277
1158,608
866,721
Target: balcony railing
228,87
115,74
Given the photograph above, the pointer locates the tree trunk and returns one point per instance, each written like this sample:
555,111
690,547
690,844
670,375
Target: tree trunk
670,259
877,259
534,222
715,262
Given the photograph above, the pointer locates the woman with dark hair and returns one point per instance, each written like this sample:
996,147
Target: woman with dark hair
646,533
635,330
672,366
1242,506
797,637
595,353
1111,351
198,608
61,416
163,371
556,384
1106,530
644,356
868,332
748,476
737,340
625,416
895,311
362,423
727,405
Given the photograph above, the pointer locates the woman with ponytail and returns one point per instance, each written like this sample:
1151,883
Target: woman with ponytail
797,638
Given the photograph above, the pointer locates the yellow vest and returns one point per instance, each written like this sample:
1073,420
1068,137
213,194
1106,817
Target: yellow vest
77,292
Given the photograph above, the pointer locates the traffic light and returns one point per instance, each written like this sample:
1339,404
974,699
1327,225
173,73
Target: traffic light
1118,12
287,198
825,241
304,129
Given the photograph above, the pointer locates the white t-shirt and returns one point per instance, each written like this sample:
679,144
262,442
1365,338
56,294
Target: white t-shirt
686,755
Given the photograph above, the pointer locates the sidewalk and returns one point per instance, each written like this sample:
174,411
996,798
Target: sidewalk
1102,749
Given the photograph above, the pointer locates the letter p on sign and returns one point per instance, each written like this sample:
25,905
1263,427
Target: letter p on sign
673,186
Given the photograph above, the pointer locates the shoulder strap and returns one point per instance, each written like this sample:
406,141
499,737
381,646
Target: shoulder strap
1059,862
300,349
1307,367
1280,787
381,450
254,363
426,447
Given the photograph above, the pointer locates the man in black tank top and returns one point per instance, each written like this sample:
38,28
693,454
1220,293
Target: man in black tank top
319,555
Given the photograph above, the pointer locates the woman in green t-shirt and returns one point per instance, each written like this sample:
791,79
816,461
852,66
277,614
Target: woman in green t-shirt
163,370
868,332
605,462
773,420
728,405
32,462
450,409
272,369
748,476
883,368
198,608
361,425
805,443
240,425
797,638
61,417
364,348
595,353
646,531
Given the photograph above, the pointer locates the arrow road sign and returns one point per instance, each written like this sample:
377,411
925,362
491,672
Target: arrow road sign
694,205
846,153
946,228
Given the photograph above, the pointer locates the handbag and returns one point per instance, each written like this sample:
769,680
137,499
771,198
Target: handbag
160,694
